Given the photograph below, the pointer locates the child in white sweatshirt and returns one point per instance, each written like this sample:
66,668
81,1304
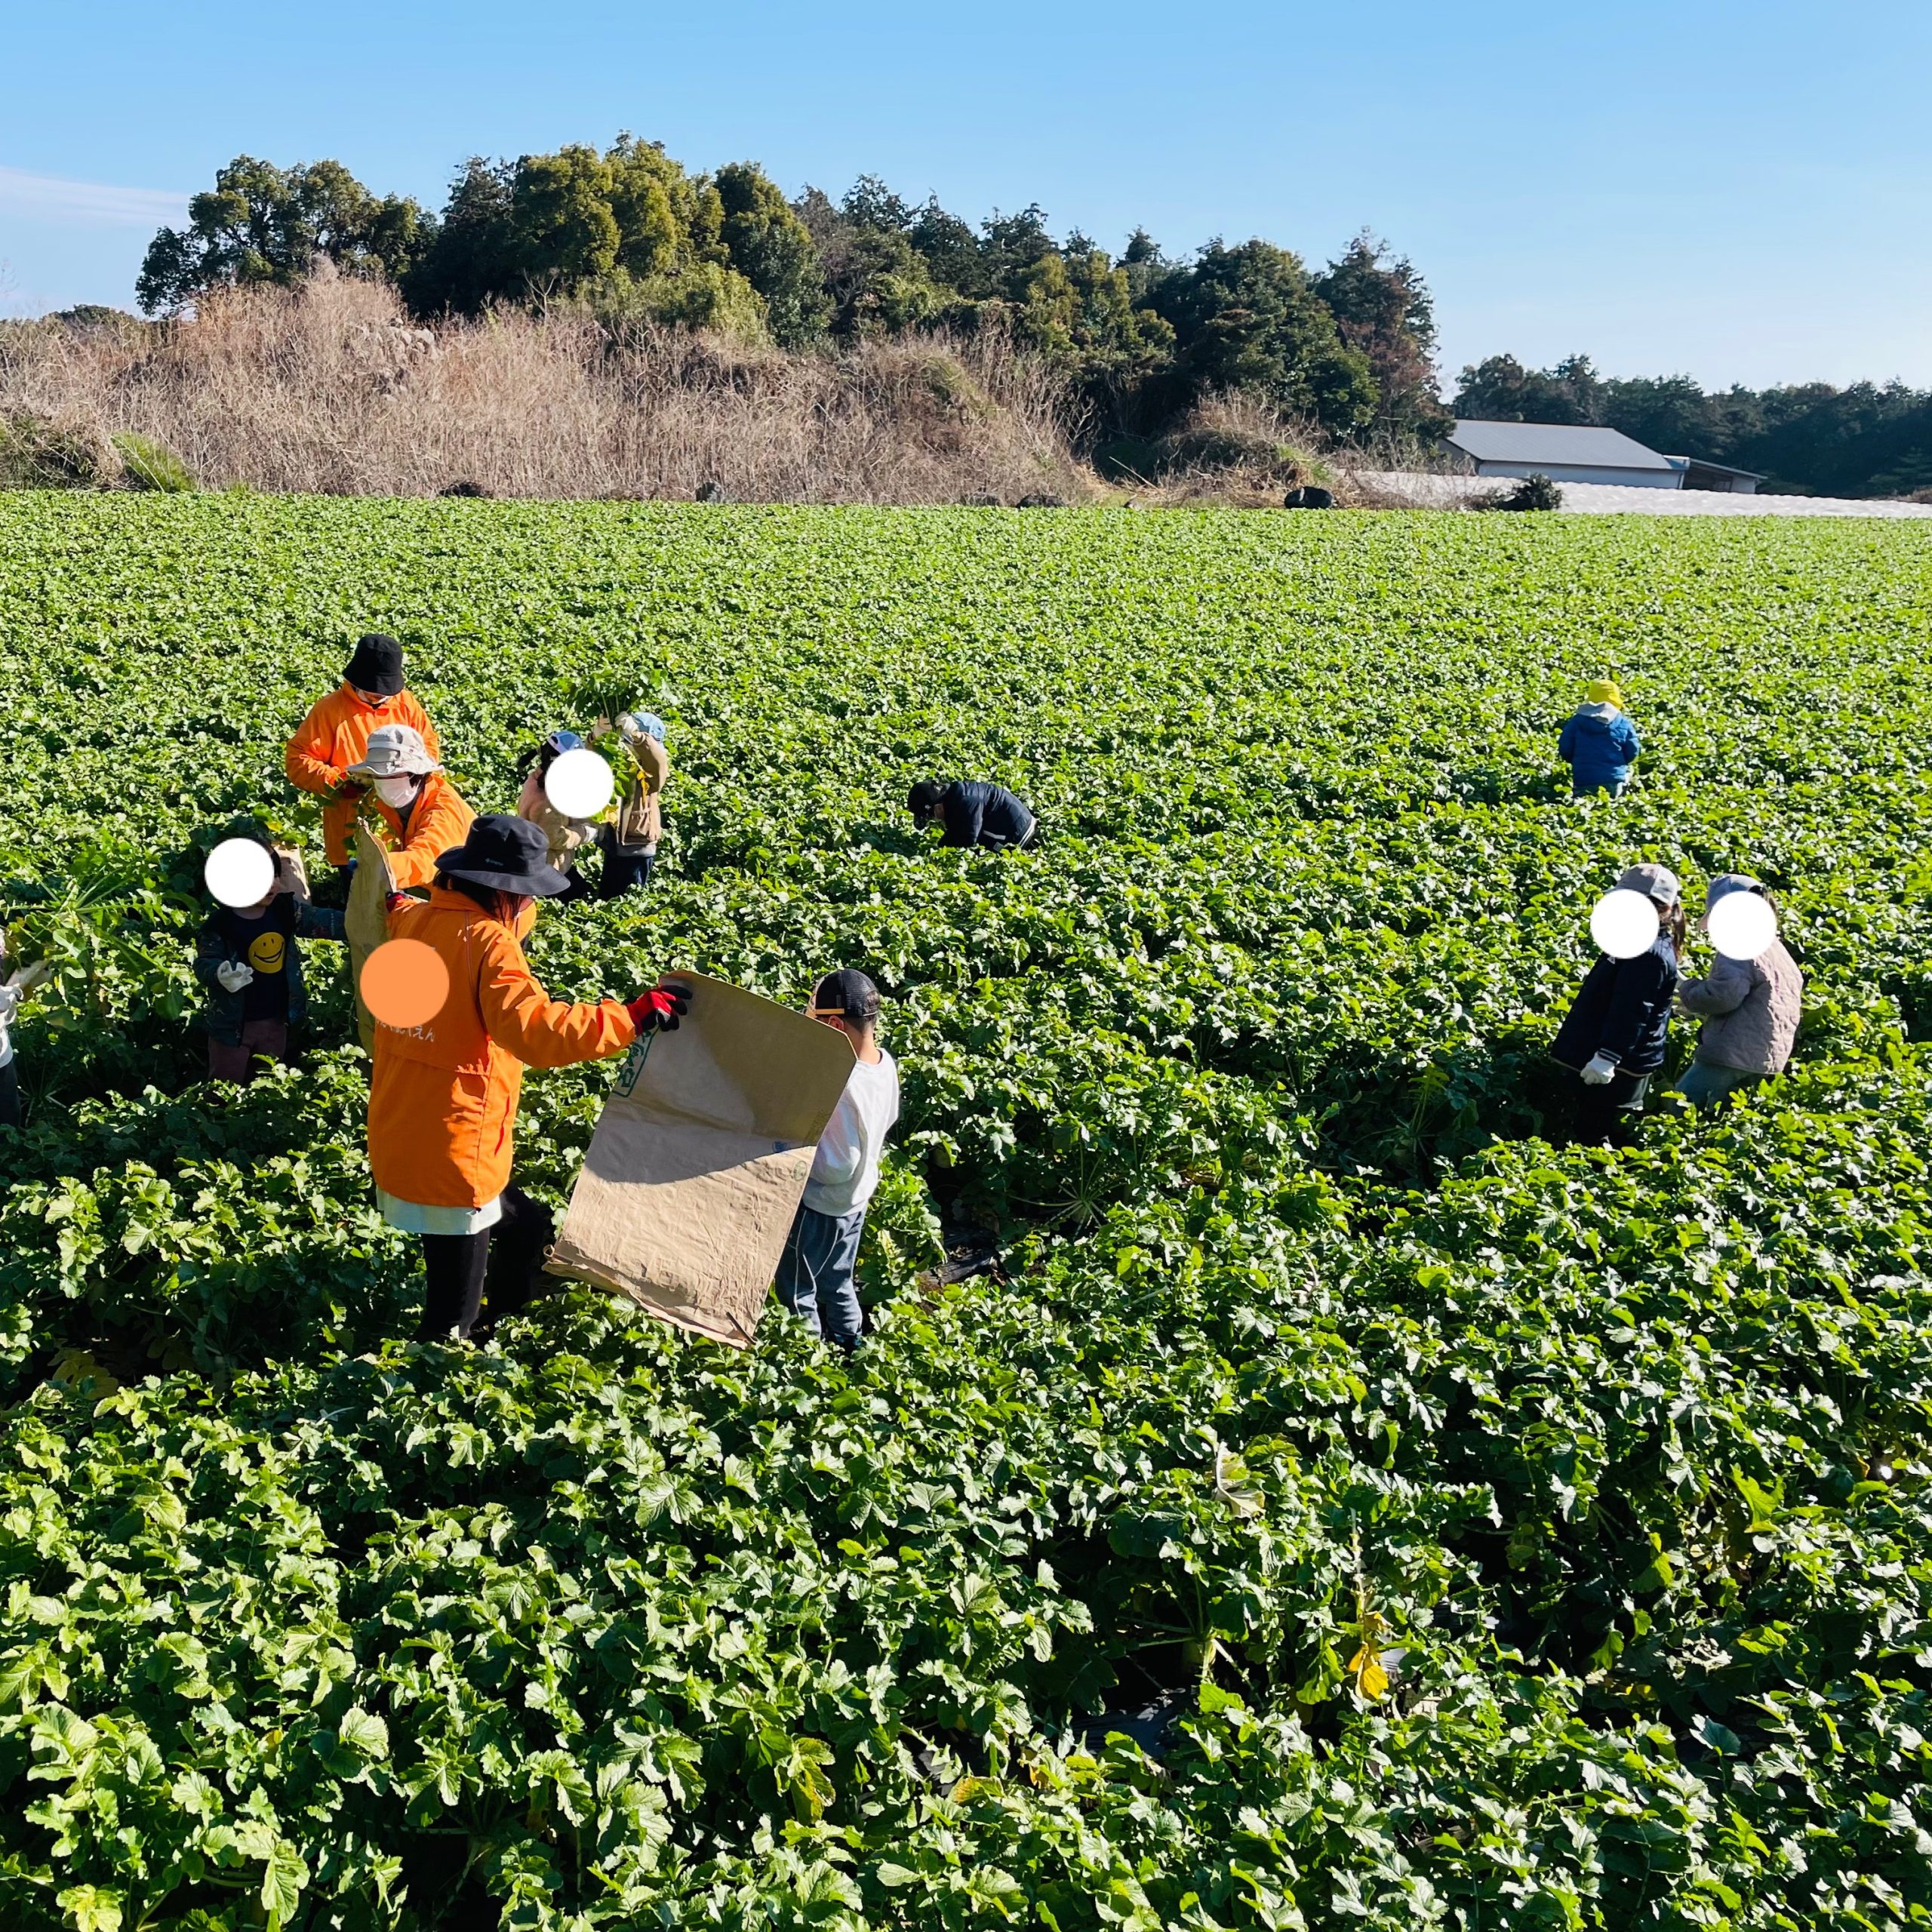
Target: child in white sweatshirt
815,1272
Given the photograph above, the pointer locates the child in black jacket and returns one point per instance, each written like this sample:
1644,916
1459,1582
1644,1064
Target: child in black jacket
1614,1036
249,959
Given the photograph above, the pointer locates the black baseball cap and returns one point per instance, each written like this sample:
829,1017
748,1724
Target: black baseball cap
848,993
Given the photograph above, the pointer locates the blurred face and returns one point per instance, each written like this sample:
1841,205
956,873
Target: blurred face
376,701
283,883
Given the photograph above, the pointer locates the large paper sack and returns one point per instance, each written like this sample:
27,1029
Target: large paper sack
365,922
700,1157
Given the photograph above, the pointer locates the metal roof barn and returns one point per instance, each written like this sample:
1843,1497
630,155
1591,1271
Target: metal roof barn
1566,453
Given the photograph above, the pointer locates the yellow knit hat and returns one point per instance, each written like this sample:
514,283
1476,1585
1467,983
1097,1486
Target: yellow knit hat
1603,690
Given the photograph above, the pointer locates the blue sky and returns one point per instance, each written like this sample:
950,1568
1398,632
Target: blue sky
1743,192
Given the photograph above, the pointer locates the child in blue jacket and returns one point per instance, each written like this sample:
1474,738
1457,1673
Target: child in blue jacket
1599,743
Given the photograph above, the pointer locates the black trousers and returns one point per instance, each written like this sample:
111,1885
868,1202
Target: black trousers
10,1094
506,1262
1608,1115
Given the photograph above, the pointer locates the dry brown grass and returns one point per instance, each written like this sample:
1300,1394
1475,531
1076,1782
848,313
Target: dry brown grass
1234,451
329,388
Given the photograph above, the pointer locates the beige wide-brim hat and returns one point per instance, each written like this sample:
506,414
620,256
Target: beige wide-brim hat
394,750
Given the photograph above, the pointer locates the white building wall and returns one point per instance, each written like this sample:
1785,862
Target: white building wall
1579,472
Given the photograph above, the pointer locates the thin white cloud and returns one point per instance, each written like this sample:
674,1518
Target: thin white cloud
50,198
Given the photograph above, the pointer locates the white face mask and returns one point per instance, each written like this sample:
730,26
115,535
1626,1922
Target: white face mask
397,792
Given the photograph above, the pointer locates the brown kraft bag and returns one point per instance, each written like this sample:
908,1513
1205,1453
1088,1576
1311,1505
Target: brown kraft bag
699,1160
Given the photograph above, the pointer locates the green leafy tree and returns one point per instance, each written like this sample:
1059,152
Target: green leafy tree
470,259
951,251
1246,318
772,249
1010,245
667,219
1145,265
870,205
263,223
1383,308
563,233
875,281
1501,390
1077,310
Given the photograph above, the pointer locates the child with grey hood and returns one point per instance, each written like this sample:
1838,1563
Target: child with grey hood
1750,1008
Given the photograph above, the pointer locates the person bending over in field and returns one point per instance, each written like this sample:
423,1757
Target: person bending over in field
1750,1009
974,813
410,796
443,1097
1613,1036
334,737
631,837
249,960
1598,743
815,1272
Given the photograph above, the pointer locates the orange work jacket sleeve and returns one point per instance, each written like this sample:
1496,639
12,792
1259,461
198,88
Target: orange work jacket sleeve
443,1096
524,1020
439,822
333,736
308,756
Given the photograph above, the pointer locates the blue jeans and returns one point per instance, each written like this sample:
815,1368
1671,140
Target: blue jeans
815,1274
1703,1083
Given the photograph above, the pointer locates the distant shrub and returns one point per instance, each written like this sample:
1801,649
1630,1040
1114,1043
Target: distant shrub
466,488
1536,492
1236,437
37,453
148,464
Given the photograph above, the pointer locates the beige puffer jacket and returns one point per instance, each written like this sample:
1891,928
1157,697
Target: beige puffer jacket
1752,1009
563,835
640,822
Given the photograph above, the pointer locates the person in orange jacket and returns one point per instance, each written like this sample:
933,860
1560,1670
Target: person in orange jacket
424,812
335,735
443,1098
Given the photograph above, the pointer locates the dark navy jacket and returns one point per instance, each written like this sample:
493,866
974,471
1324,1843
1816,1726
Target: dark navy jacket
1622,1009
294,919
977,814
1599,745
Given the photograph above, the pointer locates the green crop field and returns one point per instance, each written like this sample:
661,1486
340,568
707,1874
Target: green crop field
1339,1504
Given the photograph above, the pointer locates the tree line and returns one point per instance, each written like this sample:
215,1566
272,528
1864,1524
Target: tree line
630,234
1139,337
1868,440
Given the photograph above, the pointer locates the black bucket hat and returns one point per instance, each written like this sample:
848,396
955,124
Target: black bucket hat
925,798
509,854
376,665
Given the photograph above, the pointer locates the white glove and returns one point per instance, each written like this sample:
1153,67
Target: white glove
9,1003
1601,1071
233,975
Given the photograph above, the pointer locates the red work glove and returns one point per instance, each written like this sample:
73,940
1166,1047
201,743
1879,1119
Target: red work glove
396,901
660,1010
